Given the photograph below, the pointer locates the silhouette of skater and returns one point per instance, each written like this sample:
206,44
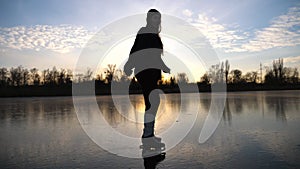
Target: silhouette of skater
151,162
145,59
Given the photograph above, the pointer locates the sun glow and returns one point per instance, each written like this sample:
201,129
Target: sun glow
178,57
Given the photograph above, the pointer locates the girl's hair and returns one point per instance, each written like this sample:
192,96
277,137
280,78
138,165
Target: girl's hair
153,10
152,16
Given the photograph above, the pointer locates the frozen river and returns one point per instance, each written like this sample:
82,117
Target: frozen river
258,130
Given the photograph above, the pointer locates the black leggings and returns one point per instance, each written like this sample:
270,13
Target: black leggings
148,79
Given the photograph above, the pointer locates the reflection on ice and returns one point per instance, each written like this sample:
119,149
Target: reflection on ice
258,129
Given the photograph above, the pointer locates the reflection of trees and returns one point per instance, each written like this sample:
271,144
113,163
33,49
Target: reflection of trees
279,107
36,109
205,101
175,102
238,105
250,102
227,116
14,110
278,104
109,111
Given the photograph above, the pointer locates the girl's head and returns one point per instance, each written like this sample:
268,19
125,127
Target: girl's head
154,20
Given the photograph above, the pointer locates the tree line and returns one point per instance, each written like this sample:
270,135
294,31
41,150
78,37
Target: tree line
276,74
21,76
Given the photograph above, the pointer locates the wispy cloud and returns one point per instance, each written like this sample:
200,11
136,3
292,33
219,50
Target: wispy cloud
283,31
62,38
229,38
295,59
187,13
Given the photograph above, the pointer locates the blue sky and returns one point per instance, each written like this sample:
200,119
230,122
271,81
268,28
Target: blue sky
43,34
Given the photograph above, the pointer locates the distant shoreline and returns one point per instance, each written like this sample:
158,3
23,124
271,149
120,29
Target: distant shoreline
66,90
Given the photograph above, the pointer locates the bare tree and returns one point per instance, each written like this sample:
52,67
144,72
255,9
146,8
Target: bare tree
182,78
212,73
69,76
79,77
227,67
295,76
15,76
216,73
251,77
19,70
221,73
88,75
277,74
205,79
35,76
54,76
172,81
120,76
50,76
99,77
278,69
45,74
62,76
25,76
290,75
3,76
236,75
109,73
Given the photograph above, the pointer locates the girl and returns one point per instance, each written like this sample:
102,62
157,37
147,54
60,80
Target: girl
145,59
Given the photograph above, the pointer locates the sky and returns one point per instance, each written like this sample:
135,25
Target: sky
43,34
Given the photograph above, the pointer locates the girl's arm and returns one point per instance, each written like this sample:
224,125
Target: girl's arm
129,65
164,67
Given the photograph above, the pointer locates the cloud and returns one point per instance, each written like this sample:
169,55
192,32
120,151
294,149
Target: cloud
187,13
62,38
222,36
291,59
283,31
